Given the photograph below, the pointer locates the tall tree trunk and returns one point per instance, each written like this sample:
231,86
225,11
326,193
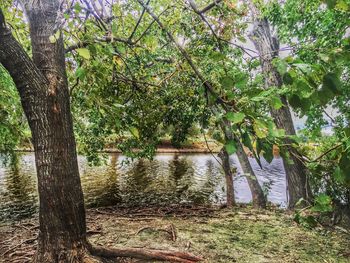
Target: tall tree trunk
268,48
43,88
230,194
44,94
259,199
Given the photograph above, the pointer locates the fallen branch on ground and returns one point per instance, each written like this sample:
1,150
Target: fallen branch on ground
147,254
170,229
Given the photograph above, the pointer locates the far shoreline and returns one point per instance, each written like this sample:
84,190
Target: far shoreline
159,150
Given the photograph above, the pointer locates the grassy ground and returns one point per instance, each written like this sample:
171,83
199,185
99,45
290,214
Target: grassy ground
239,235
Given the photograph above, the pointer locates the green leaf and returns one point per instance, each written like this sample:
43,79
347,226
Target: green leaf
54,37
135,132
294,101
276,102
231,147
268,151
332,82
84,53
235,117
77,8
339,175
241,81
260,129
217,56
280,65
344,165
331,3
305,68
230,95
287,79
342,6
227,82
80,73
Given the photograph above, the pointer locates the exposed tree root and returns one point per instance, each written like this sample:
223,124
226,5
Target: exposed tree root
148,254
170,230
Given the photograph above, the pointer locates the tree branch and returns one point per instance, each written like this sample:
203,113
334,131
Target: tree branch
106,39
17,62
210,6
184,53
198,12
138,22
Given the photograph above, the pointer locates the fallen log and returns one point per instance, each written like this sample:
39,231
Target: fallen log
146,254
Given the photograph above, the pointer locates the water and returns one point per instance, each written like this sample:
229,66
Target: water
168,179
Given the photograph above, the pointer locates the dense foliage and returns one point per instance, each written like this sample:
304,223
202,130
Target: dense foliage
134,81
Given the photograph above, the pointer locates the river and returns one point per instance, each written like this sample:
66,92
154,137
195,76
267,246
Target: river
167,179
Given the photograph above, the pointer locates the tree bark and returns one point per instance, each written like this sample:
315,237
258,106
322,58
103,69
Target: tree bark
268,48
259,199
43,88
230,194
258,196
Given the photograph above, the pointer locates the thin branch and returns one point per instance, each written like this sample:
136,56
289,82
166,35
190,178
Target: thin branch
210,150
91,10
138,22
210,6
198,12
106,39
329,116
326,152
184,53
150,25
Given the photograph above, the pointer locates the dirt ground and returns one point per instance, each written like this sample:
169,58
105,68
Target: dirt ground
218,235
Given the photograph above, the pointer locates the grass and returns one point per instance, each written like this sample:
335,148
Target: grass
241,235
237,235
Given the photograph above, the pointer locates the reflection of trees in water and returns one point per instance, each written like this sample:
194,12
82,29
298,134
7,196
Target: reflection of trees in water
205,189
182,177
160,183
136,182
143,182
101,187
178,167
19,198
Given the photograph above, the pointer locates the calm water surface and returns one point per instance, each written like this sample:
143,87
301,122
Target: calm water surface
168,179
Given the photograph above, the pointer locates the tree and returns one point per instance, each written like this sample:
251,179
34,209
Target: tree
259,199
43,87
316,82
268,49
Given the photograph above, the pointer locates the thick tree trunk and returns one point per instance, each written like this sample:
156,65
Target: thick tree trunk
259,199
268,47
230,194
44,94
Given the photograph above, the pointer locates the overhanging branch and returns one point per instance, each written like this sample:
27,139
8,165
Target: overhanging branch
17,62
184,53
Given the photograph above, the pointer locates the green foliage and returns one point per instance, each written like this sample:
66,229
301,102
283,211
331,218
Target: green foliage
309,217
235,117
130,86
13,128
231,147
323,203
